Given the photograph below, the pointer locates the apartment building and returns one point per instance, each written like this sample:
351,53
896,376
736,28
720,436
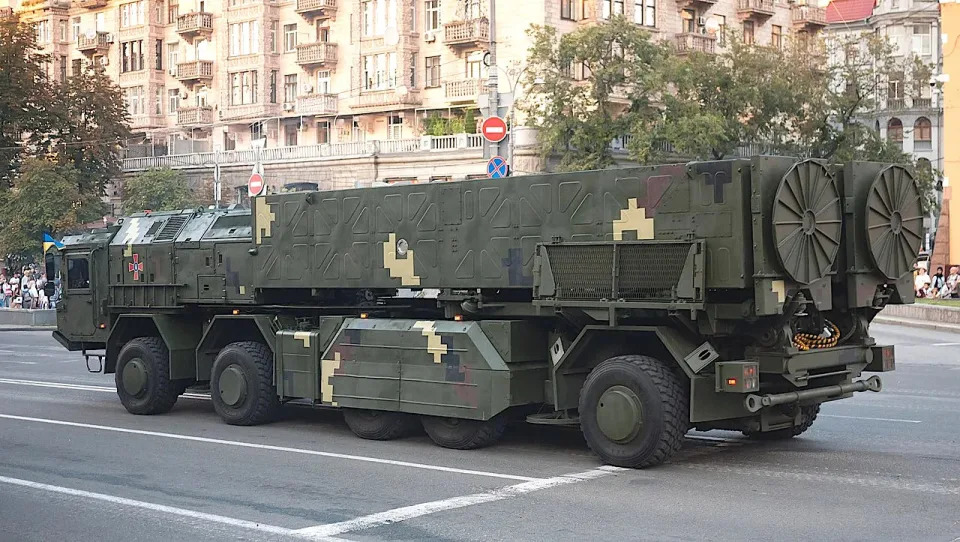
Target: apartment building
344,88
909,113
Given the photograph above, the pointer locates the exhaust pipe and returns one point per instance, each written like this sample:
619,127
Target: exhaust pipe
756,402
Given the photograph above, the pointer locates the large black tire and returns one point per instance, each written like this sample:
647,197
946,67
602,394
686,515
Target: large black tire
645,416
379,424
461,434
251,371
808,414
143,377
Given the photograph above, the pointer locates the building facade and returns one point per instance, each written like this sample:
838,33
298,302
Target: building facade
345,91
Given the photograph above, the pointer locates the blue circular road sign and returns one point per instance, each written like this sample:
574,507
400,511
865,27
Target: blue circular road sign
497,168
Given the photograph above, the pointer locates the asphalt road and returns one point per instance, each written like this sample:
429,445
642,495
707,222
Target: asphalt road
75,466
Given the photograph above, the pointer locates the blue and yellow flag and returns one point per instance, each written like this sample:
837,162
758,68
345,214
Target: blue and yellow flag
49,241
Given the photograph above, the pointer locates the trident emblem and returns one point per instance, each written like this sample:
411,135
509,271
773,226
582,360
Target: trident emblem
136,267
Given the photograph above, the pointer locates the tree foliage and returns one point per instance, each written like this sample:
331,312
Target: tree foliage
45,198
157,190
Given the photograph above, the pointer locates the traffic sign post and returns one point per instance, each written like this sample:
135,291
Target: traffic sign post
494,129
255,185
497,168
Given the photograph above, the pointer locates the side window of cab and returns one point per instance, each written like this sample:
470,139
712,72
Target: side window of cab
78,272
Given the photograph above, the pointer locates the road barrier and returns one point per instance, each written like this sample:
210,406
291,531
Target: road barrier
28,317
923,312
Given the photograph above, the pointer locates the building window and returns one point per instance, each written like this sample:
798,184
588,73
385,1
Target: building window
158,102
272,38
922,40
290,88
289,38
721,29
380,71
566,10
173,101
173,57
612,8
257,131
395,128
895,131
244,38
412,83
132,14
173,11
273,86
62,31
922,135
63,68
645,12
77,66
41,30
323,82
776,36
133,97
432,72
378,15
432,19
243,88
748,36
131,56
474,67
290,135
158,58
76,29
323,132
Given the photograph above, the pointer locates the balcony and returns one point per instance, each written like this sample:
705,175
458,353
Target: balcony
472,33
195,71
194,24
318,9
45,4
317,54
96,44
903,104
463,91
193,116
317,104
371,100
755,8
808,16
92,4
698,43
139,122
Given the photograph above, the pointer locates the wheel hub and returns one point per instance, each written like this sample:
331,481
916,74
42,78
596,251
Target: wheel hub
619,414
232,385
134,377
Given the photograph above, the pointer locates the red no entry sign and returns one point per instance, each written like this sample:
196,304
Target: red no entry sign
255,184
494,129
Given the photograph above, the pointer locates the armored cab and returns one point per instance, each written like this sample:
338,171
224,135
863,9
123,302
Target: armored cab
635,303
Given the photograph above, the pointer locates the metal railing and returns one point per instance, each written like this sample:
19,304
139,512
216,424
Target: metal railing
469,31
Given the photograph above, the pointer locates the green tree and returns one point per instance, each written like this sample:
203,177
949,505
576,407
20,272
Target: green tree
45,198
25,98
157,190
619,92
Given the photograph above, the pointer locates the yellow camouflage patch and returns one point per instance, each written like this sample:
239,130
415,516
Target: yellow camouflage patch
634,219
399,269
780,289
327,368
265,218
435,346
303,336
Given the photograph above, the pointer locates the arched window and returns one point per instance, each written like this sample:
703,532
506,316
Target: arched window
922,135
895,131
877,126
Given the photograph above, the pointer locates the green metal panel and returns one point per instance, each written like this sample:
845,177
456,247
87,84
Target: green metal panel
297,364
181,335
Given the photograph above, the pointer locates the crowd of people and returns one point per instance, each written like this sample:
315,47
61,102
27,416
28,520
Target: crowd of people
25,290
937,286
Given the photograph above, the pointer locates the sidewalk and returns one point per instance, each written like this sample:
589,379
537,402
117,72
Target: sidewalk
16,327
922,324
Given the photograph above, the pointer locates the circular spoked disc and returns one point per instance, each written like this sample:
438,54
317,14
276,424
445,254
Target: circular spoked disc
807,221
894,221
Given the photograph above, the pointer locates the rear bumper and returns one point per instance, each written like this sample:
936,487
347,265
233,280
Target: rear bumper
75,346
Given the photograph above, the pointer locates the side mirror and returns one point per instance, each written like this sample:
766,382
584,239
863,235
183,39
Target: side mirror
49,289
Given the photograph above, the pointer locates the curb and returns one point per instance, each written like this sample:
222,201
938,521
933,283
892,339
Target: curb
26,328
936,326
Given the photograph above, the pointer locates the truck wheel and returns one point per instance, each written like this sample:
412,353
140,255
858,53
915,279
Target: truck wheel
633,411
241,384
808,415
143,377
378,424
461,434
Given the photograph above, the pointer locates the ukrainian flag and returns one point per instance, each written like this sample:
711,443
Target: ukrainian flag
49,242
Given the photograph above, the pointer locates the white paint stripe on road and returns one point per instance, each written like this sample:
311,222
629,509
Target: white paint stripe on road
418,510
241,444
941,344
182,512
871,419
19,362
81,387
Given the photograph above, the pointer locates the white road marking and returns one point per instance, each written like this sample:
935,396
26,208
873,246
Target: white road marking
418,510
871,419
212,518
941,344
82,387
241,444
19,362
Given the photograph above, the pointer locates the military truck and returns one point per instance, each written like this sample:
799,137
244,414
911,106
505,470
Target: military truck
635,303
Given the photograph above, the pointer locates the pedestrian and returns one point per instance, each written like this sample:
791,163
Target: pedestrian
937,282
952,283
921,283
